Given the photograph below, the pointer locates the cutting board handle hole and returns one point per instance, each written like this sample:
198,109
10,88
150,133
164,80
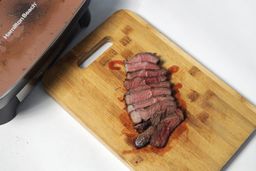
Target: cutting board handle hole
96,52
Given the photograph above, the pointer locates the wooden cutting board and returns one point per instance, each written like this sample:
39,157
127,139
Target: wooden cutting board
218,120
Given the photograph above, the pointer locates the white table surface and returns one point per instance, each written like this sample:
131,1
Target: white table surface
220,34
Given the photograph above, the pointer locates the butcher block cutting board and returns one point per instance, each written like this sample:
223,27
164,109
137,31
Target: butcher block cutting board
218,119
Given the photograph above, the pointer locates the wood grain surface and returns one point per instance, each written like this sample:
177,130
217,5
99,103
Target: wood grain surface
218,120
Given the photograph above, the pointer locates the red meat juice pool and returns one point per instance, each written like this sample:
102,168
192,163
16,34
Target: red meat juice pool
173,69
113,64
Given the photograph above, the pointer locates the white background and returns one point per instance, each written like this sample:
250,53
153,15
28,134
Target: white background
221,34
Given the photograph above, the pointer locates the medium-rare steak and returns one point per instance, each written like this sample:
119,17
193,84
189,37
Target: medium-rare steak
136,82
146,94
140,127
143,57
140,66
164,129
146,73
146,113
163,84
150,102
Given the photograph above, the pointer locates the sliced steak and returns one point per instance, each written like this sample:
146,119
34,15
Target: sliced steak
143,57
146,94
136,82
146,131
144,138
180,114
140,66
147,102
146,73
140,115
164,129
156,118
150,104
163,84
140,127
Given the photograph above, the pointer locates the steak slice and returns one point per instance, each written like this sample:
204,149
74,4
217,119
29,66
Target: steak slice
140,127
141,66
163,84
140,115
147,102
136,82
180,114
156,118
146,73
164,129
143,57
146,94
144,138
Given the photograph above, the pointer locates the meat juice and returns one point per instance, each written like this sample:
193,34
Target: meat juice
113,65
173,69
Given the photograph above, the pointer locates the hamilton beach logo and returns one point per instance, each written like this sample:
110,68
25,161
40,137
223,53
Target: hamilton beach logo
19,22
